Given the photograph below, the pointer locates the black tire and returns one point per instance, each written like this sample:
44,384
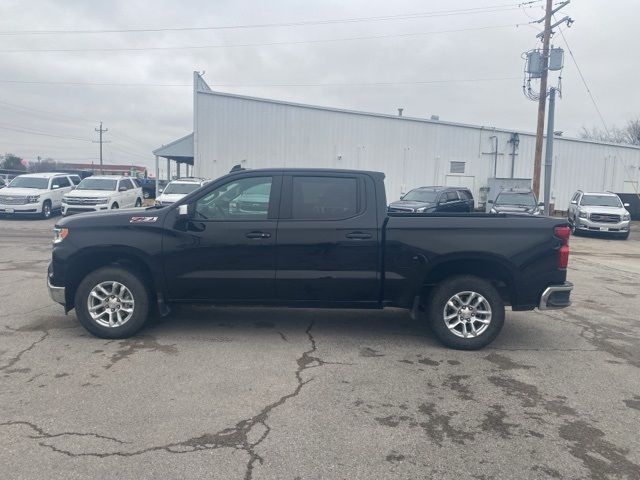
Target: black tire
455,285
138,202
46,209
131,281
115,206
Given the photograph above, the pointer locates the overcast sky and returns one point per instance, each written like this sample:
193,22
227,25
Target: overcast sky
480,66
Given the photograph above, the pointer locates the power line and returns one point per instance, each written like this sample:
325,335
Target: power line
34,132
406,16
584,81
259,44
340,84
53,114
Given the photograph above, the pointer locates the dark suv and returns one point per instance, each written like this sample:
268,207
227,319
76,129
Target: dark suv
434,199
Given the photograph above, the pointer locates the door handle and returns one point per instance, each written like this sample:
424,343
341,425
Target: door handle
358,235
257,235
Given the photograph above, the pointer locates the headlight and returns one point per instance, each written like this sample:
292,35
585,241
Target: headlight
537,212
421,209
33,198
102,200
59,234
493,210
582,214
626,216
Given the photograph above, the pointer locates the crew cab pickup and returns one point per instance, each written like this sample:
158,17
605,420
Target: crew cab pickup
313,238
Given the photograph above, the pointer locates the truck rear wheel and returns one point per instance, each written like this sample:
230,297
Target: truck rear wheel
466,312
112,302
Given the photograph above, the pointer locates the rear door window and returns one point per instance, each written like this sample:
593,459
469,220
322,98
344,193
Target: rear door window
325,198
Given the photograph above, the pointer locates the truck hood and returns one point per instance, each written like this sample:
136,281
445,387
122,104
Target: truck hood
170,197
21,192
411,204
90,193
117,217
515,209
597,209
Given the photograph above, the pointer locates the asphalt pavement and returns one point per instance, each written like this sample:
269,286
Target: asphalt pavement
253,393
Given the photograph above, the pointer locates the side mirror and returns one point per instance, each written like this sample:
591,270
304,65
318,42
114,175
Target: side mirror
574,202
541,204
55,187
122,189
183,211
489,201
160,190
626,205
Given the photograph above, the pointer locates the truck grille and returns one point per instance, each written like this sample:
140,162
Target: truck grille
9,200
80,201
605,218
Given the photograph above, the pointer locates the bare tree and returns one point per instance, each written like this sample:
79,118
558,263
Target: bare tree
630,134
633,131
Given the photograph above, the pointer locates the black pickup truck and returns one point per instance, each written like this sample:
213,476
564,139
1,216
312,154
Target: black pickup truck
307,238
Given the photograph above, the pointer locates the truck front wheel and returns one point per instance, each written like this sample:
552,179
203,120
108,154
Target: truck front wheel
112,302
466,312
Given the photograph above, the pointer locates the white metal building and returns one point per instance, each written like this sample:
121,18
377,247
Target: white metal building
256,133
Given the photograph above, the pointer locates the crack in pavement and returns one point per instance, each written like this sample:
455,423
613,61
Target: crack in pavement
17,358
236,437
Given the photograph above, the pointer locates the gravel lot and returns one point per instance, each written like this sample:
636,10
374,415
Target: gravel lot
305,394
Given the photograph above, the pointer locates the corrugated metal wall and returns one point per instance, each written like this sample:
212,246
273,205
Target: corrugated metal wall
257,133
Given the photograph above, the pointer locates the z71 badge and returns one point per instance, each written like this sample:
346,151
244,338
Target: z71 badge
143,219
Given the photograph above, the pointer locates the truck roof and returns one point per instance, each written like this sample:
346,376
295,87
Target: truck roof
308,170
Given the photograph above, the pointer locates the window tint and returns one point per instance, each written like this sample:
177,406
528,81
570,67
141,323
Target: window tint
242,199
324,198
452,196
60,182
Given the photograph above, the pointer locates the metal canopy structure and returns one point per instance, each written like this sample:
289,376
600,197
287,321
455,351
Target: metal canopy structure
180,151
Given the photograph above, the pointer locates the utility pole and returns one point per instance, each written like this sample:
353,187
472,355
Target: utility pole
542,102
548,157
100,131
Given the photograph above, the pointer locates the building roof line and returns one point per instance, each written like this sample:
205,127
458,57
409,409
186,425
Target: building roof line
170,144
406,118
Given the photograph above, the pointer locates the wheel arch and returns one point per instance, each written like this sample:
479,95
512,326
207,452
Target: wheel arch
91,259
496,269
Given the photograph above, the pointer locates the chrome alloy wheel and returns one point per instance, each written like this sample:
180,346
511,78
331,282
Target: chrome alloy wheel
110,304
467,314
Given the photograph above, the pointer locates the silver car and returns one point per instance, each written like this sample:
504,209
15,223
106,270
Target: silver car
601,212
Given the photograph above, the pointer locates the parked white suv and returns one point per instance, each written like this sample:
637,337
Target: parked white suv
177,189
102,192
599,212
35,193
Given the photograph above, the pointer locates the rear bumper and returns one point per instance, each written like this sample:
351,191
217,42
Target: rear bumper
556,297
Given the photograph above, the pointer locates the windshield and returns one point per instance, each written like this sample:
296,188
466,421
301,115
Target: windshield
29,182
181,188
600,201
519,199
97,184
427,196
